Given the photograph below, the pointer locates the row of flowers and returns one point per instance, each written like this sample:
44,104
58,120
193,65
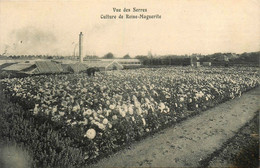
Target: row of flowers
111,110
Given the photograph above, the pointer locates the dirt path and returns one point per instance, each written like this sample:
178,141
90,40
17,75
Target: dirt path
242,150
191,141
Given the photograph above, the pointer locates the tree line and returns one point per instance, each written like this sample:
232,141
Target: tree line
252,58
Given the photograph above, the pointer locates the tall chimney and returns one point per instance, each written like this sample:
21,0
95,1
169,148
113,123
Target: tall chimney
80,47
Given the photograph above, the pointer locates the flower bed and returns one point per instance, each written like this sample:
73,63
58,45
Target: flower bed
106,112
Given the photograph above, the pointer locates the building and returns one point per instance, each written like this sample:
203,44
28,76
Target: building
20,67
124,62
38,67
68,66
197,64
47,67
194,61
105,65
75,67
206,63
127,62
223,58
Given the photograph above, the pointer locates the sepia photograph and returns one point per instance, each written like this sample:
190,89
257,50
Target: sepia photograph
129,83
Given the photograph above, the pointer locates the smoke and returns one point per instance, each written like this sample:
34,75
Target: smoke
31,41
5,50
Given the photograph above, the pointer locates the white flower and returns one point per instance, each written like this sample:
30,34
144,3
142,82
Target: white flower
167,109
152,108
161,106
121,112
137,103
147,100
144,123
90,134
145,111
62,113
130,110
64,103
109,125
139,111
134,98
35,110
114,117
95,115
96,118
133,118
108,112
87,112
75,108
112,106
199,95
54,109
101,126
84,90
124,107
85,122
105,121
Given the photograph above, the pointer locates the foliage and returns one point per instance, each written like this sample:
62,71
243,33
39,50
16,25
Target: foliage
47,146
72,119
108,56
141,57
127,56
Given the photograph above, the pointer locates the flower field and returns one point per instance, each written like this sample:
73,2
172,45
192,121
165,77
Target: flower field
104,113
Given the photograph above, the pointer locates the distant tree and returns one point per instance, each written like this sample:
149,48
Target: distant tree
205,59
141,57
91,57
216,55
108,56
127,56
244,55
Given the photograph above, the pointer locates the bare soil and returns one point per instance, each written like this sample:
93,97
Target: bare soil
191,142
242,150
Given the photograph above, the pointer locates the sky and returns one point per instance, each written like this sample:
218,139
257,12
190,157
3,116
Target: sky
185,27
